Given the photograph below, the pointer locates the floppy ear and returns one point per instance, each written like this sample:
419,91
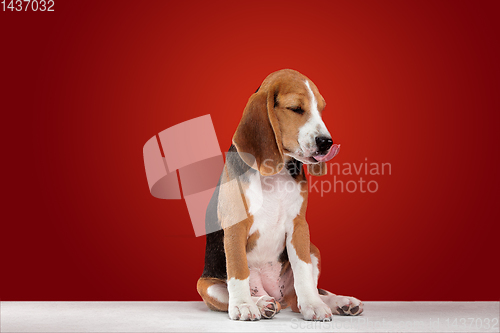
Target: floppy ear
258,134
317,169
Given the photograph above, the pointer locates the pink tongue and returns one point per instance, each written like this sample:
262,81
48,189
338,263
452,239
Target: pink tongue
334,150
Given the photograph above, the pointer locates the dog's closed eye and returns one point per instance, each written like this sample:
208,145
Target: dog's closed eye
296,109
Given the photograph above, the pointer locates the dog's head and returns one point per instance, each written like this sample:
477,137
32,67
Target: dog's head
284,118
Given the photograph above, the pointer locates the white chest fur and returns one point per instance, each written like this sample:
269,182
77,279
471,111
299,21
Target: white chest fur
274,202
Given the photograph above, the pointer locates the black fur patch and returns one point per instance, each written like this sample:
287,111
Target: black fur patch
283,256
257,90
235,165
322,292
294,168
215,257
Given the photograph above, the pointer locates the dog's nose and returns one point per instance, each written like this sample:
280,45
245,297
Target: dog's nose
323,144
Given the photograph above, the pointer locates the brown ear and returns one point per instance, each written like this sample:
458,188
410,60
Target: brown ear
317,169
258,134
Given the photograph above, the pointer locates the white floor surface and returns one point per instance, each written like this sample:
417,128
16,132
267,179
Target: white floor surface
195,317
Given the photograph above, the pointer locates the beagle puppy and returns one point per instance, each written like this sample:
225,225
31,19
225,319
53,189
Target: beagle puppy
256,266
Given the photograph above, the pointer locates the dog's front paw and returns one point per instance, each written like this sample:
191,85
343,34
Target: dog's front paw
243,310
315,310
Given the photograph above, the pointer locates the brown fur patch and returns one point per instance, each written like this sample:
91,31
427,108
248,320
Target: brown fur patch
300,237
319,169
315,252
252,241
292,302
258,134
284,267
235,238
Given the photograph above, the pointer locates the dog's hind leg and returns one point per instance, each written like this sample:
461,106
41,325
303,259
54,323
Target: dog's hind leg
267,305
341,305
214,293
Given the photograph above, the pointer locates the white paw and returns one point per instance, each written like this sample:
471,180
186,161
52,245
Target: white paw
267,306
315,310
243,310
346,306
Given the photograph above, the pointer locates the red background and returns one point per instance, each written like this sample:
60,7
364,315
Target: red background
411,83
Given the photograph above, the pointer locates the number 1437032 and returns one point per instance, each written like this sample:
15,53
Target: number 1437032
28,5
